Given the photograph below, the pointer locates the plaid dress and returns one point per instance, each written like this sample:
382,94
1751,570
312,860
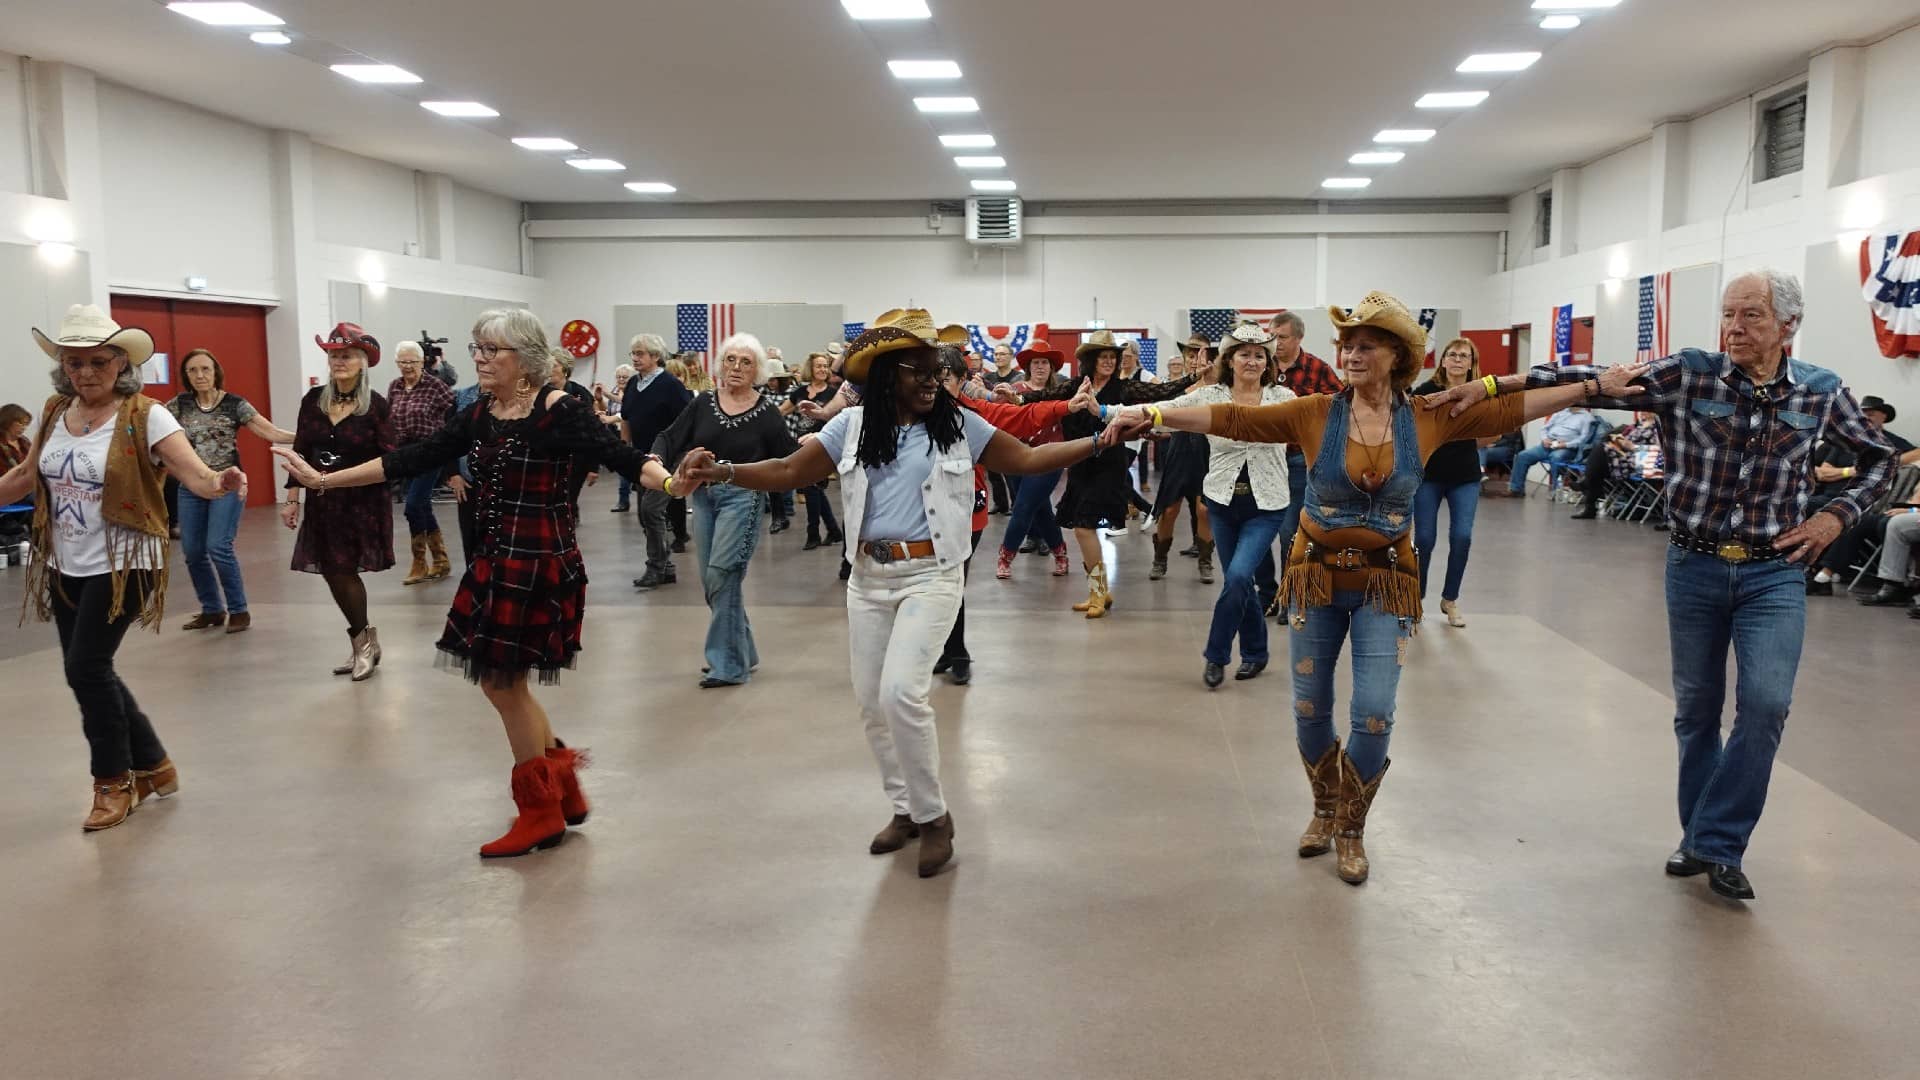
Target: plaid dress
520,605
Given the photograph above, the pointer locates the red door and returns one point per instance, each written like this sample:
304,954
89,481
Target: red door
1496,350
236,334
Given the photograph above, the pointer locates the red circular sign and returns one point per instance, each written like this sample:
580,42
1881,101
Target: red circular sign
580,338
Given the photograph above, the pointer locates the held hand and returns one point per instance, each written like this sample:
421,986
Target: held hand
296,466
1125,426
458,485
1005,392
290,515
1083,399
1827,474
1462,397
1617,379
811,436
698,467
812,410
233,479
1804,542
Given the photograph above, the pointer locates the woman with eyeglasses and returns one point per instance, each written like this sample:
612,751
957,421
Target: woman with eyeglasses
518,611
347,531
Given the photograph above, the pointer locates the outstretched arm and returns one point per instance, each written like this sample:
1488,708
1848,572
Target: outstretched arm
176,453
804,467
1008,455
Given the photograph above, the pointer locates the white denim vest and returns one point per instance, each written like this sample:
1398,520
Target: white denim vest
947,496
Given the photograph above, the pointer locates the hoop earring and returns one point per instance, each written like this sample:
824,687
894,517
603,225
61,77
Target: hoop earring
523,386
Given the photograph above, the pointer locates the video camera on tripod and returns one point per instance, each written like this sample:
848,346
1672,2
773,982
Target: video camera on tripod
436,358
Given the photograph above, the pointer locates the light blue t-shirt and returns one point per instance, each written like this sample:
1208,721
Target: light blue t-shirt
895,509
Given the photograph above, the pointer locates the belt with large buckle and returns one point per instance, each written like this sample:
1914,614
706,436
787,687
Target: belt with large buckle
1353,558
1242,489
1730,551
889,551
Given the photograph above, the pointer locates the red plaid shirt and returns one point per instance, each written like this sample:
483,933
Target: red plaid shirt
421,411
1311,375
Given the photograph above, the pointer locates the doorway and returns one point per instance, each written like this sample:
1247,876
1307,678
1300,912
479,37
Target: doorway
1522,346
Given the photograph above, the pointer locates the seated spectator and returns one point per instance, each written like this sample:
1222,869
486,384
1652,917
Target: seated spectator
1619,454
1564,440
1896,557
1833,470
1496,455
1841,556
15,448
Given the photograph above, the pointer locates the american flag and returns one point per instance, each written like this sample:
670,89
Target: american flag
1427,316
981,337
1563,334
702,327
1890,284
1656,304
849,331
1213,323
1149,350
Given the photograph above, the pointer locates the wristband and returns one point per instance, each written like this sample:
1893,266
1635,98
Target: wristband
1154,412
1492,384
668,487
1105,410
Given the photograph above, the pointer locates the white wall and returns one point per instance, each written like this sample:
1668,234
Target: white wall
1613,198
1888,122
488,229
14,171
1717,161
362,202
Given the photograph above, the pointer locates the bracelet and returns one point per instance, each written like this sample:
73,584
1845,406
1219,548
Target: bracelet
732,470
668,486
1492,384
1105,410
1589,387
1154,412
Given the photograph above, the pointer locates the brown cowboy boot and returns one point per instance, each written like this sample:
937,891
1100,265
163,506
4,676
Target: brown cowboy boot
936,844
1350,819
1323,777
112,801
418,573
1160,550
156,783
1206,561
437,553
895,836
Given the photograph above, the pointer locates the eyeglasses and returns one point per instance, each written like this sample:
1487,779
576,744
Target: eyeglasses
739,361
487,350
88,363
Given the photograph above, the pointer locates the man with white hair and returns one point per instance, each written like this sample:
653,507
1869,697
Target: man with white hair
651,402
1737,429
610,404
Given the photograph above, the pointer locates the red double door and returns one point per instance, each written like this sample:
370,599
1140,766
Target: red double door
236,334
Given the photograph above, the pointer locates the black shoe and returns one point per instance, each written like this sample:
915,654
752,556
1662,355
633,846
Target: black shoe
1681,864
846,569
710,682
1913,610
1729,882
942,666
962,672
835,536
779,525
812,542
679,546
1033,547
999,511
618,508
1586,513
653,579
1214,675
1250,669
1819,588
1890,595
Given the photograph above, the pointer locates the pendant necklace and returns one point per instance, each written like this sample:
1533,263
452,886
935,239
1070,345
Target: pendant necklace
1371,479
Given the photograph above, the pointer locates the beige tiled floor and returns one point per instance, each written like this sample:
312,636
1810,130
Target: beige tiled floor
1126,902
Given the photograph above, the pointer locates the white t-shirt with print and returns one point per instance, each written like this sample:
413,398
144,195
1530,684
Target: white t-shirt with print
75,468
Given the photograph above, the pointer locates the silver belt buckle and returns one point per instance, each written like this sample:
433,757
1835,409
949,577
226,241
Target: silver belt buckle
880,552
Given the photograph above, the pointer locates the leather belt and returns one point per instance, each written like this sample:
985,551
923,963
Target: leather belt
888,551
1354,558
1242,489
1733,551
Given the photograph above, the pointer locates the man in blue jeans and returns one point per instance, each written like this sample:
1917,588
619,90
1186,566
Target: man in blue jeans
1737,430
1563,440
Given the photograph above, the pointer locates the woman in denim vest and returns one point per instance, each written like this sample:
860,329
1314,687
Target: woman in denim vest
1352,573
906,460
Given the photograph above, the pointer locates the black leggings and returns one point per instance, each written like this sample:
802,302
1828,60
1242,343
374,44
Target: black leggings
350,596
119,735
957,637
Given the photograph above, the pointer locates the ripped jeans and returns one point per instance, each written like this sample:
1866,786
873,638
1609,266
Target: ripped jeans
1379,650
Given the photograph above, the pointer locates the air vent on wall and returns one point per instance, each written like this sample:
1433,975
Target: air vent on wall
993,220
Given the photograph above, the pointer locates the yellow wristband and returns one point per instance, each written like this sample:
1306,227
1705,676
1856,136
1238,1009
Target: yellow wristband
1493,386
668,486
1153,412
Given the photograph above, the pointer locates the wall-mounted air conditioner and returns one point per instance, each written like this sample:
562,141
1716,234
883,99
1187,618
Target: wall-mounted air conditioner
993,220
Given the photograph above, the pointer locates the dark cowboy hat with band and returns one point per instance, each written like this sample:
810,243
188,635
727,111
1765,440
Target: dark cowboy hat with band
1878,404
346,335
1199,343
908,328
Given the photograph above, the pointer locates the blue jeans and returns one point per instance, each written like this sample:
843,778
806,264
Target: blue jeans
1760,608
1379,651
1033,513
1244,535
1462,501
726,528
1501,456
1296,497
419,504
1536,455
207,528
781,504
626,492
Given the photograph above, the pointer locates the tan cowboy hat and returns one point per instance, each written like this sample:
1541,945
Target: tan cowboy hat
1247,333
87,327
908,328
1197,341
1097,342
775,369
1383,312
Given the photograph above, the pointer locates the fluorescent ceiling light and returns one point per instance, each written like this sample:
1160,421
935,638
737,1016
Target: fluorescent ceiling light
227,14
1498,61
887,9
459,108
1451,99
1376,157
1404,135
596,164
924,69
993,185
1345,183
1559,22
1574,5
543,142
967,142
270,37
987,161
375,73
946,104
651,187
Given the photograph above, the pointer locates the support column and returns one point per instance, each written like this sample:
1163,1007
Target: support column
304,307
1666,182
1836,102
64,130
1566,189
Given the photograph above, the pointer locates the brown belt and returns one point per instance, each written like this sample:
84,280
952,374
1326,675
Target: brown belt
887,551
1354,558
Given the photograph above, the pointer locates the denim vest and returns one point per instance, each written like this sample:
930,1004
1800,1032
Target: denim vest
1334,501
947,496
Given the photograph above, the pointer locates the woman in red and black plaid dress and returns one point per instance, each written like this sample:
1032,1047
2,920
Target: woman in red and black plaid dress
519,607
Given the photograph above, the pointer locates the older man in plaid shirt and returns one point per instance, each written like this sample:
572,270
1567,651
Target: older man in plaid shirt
1738,430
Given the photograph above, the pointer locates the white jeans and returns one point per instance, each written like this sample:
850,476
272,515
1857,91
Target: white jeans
898,618
1896,557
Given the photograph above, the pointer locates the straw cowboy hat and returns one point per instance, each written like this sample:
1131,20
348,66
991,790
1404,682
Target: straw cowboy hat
1041,349
1247,333
1097,342
909,328
347,335
87,327
1383,312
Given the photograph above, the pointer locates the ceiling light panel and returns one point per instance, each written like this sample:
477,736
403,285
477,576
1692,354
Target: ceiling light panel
383,74
1574,5
1377,157
651,187
543,142
467,109
596,164
985,161
1512,61
946,104
994,185
1451,99
1404,135
1345,183
269,37
887,9
967,142
924,69
1560,22
227,14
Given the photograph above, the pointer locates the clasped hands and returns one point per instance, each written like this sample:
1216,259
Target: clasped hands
1616,381
698,467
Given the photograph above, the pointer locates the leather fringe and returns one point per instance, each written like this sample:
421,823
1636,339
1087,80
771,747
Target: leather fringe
1395,591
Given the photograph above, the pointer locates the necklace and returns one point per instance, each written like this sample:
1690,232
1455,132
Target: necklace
87,425
1372,478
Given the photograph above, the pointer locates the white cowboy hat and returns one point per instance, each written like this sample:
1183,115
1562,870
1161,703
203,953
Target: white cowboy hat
87,327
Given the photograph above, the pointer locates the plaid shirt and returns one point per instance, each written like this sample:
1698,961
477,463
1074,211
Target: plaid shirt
421,411
1311,375
1739,456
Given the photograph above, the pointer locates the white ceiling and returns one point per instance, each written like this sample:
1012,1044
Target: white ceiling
770,100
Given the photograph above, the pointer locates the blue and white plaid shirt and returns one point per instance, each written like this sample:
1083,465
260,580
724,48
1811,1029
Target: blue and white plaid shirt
1739,457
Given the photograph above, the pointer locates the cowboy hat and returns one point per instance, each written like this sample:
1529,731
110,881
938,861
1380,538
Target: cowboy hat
1097,342
87,327
1878,404
909,328
1383,312
347,335
1247,333
1197,341
776,369
1041,349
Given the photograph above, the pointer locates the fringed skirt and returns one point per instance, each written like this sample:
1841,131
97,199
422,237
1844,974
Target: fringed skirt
512,616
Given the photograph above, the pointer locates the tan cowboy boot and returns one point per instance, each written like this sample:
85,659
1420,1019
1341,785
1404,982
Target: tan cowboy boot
112,802
156,783
418,573
1205,562
1323,777
1099,597
1350,820
437,552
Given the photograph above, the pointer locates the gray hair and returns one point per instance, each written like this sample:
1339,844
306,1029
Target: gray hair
750,344
1784,289
521,330
362,396
652,344
1298,324
409,347
622,373
126,384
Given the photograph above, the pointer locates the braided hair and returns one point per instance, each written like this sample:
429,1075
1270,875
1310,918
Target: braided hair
880,422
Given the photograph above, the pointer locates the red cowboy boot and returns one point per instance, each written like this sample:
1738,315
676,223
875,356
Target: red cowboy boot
536,792
573,801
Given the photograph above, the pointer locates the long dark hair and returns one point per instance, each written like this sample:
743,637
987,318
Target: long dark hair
880,422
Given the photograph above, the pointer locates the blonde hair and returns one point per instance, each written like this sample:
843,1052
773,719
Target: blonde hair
1440,367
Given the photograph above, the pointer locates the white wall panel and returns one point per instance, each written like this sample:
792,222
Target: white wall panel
361,202
486,229
14,172
1440,271
1718,166
1890,116
1613,198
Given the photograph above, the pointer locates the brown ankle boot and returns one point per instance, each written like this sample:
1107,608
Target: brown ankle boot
440,566
936,844
156,783
112,801
1206,561
1350,819
1323,777
1161,548
418,573
895,836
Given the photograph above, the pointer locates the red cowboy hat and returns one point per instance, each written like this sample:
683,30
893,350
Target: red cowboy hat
1042,349
346,335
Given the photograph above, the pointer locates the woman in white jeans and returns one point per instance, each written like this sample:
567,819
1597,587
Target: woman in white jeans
905,459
